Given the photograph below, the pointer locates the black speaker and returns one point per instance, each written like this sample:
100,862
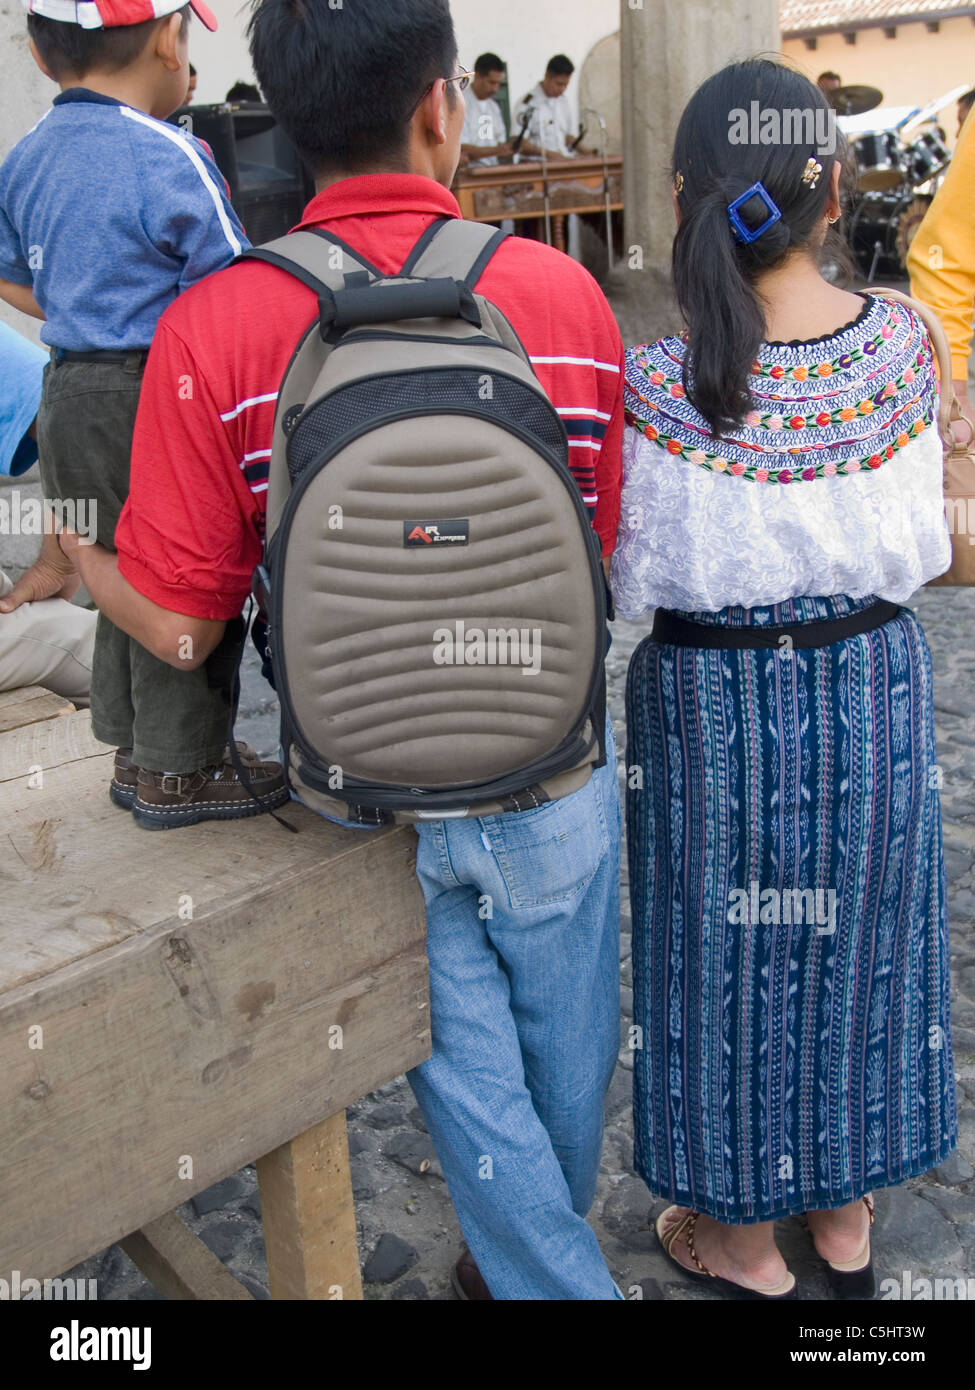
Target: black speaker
269,185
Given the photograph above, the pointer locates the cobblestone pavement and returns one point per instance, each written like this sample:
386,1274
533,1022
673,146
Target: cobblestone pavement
407,1229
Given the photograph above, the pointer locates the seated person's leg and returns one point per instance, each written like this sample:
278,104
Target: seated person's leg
47,643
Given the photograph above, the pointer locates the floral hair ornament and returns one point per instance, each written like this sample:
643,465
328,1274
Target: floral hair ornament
746,234
811,173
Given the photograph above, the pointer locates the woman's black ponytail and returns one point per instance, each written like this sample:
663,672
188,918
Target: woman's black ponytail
714,271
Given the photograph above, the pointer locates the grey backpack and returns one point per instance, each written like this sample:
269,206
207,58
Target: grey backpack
434,589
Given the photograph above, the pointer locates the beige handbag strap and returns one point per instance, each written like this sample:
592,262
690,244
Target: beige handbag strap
949,409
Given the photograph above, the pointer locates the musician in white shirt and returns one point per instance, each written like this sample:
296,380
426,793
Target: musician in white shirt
484,139
551,123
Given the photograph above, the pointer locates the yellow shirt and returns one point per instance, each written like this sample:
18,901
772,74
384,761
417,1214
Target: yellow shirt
941,261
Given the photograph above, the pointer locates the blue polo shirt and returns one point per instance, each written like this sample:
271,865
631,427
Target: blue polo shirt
109,214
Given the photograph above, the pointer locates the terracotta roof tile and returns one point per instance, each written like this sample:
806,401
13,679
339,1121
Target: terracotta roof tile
823,16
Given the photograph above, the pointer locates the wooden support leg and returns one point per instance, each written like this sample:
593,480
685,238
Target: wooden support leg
178,1264
309,1216
558,233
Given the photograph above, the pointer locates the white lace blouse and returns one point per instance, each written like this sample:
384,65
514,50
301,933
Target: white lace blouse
832,486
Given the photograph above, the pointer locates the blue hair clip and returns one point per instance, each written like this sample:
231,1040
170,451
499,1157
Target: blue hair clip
743,233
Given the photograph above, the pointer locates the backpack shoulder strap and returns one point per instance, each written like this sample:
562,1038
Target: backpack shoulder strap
948,409
310,257
459,250
454,248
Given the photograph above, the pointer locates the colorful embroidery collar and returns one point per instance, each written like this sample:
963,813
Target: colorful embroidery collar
853,401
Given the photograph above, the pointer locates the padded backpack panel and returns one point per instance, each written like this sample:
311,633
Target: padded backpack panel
378,676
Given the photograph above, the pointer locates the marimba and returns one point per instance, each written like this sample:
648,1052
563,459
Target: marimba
518,191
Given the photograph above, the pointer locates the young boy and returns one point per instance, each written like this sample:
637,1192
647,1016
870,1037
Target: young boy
106,214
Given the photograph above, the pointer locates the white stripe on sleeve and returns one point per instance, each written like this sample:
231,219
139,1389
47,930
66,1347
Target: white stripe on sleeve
243,405
579,362
180,141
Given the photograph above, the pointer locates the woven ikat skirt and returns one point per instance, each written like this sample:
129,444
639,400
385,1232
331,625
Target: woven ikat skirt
790,935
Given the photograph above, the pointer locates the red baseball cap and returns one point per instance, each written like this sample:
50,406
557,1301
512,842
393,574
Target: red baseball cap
113,14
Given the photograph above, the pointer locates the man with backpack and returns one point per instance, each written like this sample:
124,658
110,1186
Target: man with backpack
436,361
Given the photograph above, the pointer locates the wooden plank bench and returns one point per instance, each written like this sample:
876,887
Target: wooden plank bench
177,1004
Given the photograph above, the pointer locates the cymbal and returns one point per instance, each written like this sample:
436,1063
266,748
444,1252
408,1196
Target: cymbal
853,101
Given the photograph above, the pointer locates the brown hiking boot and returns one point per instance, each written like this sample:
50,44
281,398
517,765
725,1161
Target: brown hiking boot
125,779
165,800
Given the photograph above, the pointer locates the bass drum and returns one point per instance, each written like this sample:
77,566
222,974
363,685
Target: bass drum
882,228
873,233
880,161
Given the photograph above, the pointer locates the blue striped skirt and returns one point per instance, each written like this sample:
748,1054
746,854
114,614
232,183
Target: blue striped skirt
790,935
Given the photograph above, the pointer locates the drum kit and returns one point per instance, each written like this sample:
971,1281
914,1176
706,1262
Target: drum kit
901,160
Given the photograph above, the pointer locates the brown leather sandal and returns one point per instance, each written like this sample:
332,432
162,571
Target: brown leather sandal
686,1227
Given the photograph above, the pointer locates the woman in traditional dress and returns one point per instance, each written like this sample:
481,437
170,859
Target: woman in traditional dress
782,499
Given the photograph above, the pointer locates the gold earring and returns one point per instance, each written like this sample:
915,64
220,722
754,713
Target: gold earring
832,220
678,182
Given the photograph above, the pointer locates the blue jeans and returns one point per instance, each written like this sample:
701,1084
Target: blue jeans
523,943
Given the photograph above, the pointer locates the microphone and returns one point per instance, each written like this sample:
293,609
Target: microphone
526,121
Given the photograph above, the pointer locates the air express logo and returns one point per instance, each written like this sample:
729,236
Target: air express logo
419,533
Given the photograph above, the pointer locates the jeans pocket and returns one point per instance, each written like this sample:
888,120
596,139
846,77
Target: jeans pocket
551,854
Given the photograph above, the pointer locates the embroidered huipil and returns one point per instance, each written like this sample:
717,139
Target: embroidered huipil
833,484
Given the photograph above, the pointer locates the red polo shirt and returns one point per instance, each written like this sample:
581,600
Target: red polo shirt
191,532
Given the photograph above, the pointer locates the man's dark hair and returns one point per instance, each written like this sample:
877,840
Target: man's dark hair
828,77
67,50
488,63
193,71
243,91
344,83
968,100
560,66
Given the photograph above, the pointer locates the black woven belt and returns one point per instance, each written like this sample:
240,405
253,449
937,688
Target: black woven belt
110,355
674,631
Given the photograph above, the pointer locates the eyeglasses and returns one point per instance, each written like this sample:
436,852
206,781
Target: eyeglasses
463,79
